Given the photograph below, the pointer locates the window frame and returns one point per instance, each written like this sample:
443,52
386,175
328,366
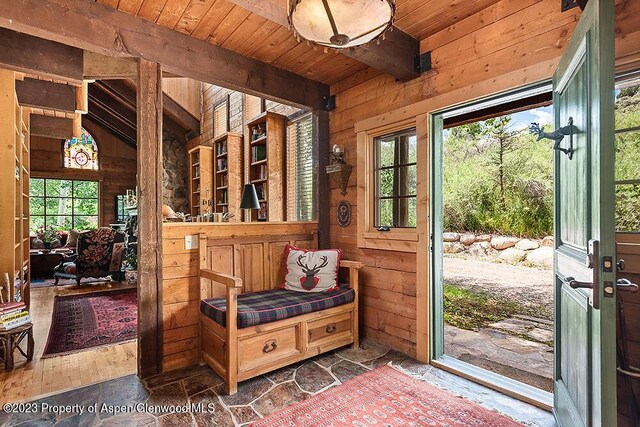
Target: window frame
396,239
396,167
98,198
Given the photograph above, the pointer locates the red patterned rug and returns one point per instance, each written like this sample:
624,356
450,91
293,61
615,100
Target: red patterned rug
92,320
386,397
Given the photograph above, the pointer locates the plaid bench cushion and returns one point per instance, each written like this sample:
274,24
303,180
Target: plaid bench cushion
256,308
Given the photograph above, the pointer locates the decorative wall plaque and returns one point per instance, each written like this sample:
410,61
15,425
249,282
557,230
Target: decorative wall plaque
344,213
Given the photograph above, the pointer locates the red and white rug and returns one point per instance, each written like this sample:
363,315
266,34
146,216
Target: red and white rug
386,397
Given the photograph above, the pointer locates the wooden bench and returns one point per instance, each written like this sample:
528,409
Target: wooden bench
239,354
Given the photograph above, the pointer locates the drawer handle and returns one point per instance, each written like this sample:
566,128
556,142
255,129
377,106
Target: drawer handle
331,328
269,346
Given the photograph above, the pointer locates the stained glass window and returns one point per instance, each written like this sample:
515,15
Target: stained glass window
81,153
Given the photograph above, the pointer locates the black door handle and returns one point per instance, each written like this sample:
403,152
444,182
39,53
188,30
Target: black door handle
576,284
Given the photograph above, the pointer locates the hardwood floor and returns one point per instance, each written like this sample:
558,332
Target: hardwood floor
44,376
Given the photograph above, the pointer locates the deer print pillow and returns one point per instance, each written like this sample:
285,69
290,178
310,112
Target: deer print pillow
311,271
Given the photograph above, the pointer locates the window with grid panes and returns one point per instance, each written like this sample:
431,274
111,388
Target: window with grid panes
395,179
64,204
301,170
627,140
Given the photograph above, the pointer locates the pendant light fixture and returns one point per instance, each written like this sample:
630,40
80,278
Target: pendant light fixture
340,24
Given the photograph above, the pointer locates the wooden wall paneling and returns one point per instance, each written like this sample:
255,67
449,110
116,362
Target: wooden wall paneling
150,169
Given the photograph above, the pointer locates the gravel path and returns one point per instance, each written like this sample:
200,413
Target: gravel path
531,287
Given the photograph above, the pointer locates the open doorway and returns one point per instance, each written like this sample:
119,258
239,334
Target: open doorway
493,244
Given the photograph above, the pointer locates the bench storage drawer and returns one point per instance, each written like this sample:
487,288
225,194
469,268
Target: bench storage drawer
329,329
268,347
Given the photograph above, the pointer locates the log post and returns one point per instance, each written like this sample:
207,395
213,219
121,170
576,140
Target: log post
150,170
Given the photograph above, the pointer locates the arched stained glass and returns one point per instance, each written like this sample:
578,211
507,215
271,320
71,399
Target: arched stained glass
81,153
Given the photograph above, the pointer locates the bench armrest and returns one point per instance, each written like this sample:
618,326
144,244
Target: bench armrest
224,279
351,264
353,267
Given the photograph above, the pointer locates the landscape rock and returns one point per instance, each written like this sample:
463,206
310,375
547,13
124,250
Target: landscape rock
547,241
467,239
503,242
512,255
450,237
542,256
483,238
452,247
527,245
479,249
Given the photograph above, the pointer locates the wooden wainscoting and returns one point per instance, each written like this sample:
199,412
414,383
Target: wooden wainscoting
252,251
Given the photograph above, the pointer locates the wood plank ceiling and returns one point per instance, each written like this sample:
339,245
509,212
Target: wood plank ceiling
223,23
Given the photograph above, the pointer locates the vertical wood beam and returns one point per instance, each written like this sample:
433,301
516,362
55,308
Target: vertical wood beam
82,98
322,185
150,169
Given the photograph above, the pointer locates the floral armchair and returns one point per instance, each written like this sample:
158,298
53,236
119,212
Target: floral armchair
99,254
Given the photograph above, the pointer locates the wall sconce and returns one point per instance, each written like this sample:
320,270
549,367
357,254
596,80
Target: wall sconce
338,169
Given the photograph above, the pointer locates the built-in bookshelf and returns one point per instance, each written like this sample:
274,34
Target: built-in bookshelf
227,151
201,180
14,200
266,165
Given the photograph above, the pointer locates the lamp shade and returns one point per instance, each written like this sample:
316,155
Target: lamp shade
340,23
249,197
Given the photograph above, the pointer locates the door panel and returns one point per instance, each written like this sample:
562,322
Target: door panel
585,365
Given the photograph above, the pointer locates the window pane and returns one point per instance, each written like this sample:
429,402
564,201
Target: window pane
37,206
36,186
407,180
627,212
85,207
386,213
407,149
58,187
627,107
35,222
628,155
58,206
386,183
412,218
386,152
59,222
85,189
85,222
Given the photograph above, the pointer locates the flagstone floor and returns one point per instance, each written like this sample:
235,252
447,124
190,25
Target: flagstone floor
256,398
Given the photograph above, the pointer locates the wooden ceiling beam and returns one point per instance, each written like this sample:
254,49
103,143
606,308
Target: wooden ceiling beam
99,28
102,67
48,95
29,54
51,127
395,55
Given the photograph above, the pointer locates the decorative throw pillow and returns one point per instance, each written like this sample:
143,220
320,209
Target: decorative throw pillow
311,271
72,239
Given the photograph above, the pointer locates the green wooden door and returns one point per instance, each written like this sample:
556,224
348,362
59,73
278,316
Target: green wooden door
585,364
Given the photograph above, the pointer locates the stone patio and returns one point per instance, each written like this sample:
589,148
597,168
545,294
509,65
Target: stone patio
256,398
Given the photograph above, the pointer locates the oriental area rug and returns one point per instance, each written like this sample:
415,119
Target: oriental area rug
97,319
386,397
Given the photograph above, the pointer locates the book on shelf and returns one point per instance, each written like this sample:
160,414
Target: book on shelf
260,191
12,324
12,316
222,147
9,307
259,152
222,164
